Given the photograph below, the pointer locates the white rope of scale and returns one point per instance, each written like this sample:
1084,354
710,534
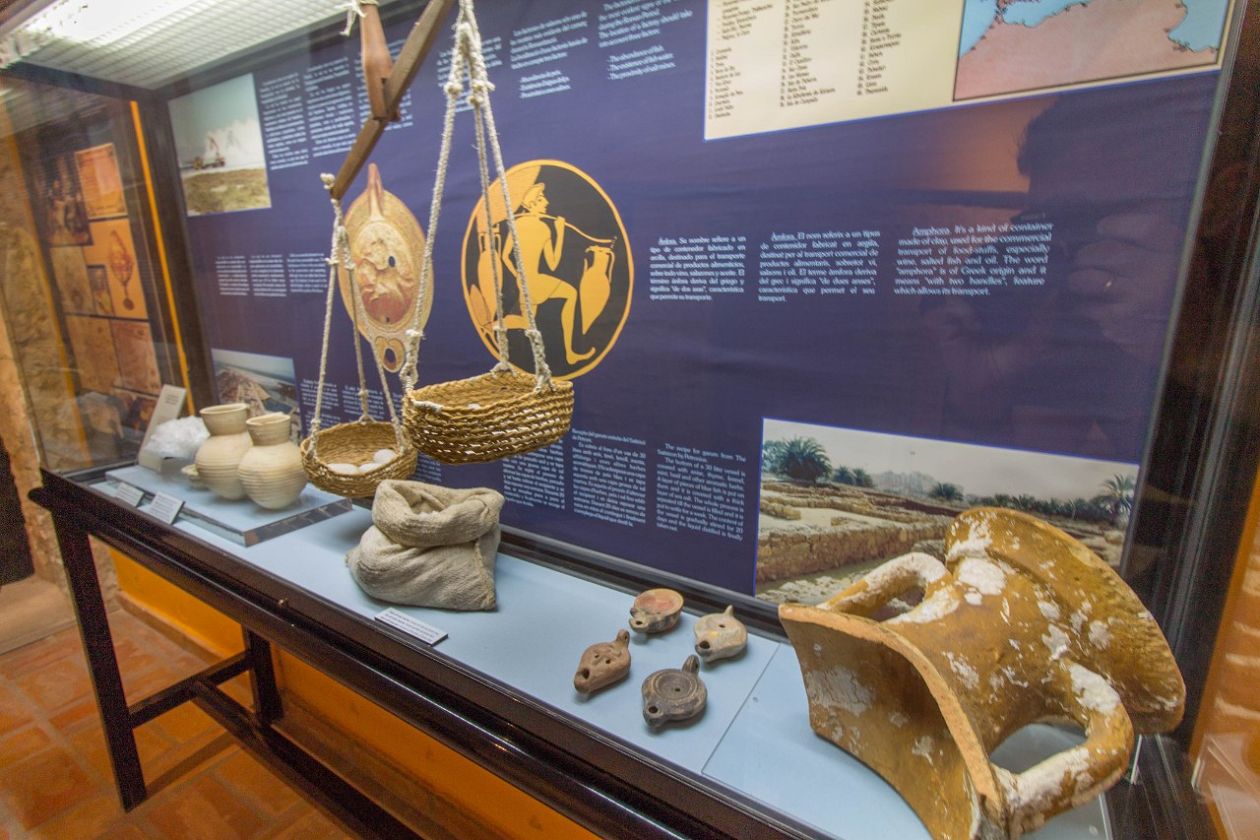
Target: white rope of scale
467,57
339,255
354,11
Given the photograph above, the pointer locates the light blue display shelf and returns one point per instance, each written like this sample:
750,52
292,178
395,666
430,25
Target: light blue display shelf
754,737
242,522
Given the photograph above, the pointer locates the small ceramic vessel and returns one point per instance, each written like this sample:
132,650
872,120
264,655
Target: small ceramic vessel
656,610
674,694
720,636
219,457
603,664
271,471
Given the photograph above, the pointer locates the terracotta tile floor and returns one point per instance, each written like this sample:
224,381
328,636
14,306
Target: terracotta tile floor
55,780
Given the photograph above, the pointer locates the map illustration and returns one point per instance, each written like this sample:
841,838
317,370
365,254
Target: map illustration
1009,46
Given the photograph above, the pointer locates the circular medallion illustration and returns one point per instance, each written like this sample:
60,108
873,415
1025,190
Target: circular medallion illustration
387,247
577,261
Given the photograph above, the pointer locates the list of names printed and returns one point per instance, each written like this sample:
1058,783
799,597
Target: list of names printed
777,64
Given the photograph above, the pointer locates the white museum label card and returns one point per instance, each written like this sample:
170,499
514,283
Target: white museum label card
165,507
423,631
170,403
127,494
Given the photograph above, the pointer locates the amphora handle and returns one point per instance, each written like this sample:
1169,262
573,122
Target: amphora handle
1075,775
890,580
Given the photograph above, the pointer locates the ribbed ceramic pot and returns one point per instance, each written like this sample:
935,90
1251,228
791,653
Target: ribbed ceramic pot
271,470
220,456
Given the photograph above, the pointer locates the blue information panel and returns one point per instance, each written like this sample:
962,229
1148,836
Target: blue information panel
822,273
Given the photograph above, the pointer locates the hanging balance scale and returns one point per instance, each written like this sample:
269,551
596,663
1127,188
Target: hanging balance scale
374,262
352,459
506,411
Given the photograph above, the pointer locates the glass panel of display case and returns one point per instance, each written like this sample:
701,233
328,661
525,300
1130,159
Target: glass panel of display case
823,276
82,287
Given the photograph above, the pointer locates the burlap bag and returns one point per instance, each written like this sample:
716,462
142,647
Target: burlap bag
430,546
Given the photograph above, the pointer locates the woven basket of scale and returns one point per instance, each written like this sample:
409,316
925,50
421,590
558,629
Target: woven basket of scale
354,445
484,418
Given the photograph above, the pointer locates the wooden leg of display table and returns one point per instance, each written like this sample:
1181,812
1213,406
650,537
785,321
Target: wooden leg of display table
267,705
98,644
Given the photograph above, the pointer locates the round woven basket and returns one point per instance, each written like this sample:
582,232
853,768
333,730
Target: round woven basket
355,443
487,417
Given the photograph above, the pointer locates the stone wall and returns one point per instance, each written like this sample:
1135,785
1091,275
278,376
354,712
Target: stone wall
39,416
792,553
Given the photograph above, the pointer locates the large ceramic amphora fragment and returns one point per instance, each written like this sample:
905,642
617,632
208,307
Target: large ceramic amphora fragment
1021,624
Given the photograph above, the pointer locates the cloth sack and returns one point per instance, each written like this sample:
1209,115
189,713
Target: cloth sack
430,546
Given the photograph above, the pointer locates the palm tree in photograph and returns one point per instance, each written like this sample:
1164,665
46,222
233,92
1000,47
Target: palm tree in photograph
803,459
771,454
1117,495
947,492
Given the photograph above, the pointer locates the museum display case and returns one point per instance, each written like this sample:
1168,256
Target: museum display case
770,295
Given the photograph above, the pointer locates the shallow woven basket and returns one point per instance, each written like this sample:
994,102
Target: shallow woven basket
487,417
355,443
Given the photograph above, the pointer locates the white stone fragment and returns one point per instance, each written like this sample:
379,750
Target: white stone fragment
343,469
384,456
368,467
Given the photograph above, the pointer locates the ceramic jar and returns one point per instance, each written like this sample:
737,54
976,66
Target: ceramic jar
219,457
271,471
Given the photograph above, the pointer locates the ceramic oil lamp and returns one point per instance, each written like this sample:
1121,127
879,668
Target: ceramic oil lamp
603,664
656,610
720,636
674,694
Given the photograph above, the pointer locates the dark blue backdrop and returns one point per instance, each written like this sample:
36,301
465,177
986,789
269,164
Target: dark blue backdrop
704,374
